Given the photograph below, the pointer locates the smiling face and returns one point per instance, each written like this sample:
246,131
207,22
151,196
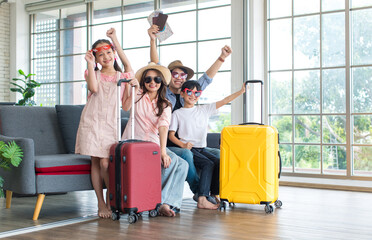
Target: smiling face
105,56
152,86
190,99
176,82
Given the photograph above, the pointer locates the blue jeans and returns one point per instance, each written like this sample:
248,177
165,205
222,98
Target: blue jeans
192,176
209,165
172,180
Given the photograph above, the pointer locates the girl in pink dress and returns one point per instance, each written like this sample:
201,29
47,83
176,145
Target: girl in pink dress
97,128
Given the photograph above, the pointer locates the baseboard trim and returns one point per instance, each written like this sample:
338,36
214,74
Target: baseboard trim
335,184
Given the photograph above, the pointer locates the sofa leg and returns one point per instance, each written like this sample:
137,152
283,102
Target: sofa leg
8,198
39,203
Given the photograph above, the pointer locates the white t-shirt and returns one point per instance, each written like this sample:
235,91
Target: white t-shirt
192,123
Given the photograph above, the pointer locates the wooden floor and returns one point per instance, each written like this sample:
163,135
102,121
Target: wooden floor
306,214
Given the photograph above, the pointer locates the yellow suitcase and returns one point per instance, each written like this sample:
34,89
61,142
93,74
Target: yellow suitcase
250,165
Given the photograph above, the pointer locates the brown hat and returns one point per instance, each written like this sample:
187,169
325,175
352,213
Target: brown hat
178,64
153,66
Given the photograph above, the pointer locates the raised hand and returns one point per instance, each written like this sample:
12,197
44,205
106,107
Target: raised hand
152,31
225,52
89,57
111,33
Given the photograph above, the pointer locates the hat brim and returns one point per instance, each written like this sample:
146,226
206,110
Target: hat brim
189,71
153,66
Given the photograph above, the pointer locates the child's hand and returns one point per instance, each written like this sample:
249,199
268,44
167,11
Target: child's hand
111,33
243,89
89,57
225,52
134,83
165,160
152,31
188,145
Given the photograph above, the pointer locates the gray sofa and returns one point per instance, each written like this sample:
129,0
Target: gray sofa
47,138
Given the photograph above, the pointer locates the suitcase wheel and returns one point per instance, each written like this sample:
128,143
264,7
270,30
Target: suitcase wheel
269,209
132,218
231,204
278,204
115,216
153,213
222,206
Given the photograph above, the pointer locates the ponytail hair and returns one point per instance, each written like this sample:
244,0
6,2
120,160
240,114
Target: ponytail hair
116,65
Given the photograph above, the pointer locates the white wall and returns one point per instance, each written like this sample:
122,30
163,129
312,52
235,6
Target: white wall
19,40
4,52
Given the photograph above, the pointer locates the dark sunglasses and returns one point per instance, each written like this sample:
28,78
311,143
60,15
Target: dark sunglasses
190,92
183,76
156,79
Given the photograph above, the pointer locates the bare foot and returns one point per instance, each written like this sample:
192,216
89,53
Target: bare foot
103,211
165,210
203,203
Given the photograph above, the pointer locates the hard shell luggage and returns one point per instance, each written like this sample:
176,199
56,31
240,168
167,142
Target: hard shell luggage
250,164
134,174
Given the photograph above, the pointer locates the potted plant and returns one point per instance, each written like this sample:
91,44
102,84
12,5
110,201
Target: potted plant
10,155
27,91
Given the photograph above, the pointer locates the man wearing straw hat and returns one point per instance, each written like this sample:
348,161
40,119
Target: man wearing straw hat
180,74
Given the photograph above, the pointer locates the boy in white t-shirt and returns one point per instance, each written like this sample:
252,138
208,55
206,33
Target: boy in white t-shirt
191,124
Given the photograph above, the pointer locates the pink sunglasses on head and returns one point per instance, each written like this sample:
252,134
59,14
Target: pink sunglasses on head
104,47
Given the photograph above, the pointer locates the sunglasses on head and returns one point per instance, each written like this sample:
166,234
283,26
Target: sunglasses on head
190,92
104,47
156,79
183,76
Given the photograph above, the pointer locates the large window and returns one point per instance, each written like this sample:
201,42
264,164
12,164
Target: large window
61,37
320,78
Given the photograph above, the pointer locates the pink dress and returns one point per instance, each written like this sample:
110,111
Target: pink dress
97,127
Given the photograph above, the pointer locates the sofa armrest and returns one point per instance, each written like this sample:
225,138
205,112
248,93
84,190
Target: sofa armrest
21,179
214,140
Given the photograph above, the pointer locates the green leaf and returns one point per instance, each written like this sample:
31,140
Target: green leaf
17,85
29,75
21,102
29,92
21,72
2,145
34,82
31,85
18,79
14,153
16,90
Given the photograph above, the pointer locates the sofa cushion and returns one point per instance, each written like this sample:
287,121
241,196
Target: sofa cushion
68,121
37,123
62,164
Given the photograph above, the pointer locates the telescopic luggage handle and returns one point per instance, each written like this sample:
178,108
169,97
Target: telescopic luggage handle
247,95
124,80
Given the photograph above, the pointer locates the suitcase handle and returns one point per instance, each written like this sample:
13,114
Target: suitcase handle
246,99
124,80
251,123
280,165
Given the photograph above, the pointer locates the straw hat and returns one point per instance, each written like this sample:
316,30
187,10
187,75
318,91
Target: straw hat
165,71
178,64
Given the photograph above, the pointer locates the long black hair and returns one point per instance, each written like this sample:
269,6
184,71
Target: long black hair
116,65
162,102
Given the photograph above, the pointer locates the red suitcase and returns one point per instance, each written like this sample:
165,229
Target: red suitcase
135,174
